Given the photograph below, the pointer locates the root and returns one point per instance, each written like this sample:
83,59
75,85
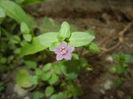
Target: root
120,38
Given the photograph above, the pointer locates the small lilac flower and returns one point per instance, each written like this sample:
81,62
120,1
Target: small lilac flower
64,51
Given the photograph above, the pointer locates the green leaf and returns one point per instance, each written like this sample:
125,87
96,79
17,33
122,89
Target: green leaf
2,13
32,48
53,79
128,58
3,60
15,39
71,76
89,69
60,95
64,31
38,95
49,25
53,45
31,64
72,68
39,73
2,86
19,1
73,90
121,70
26,31
47,67
16,12
78,39
57,68
24,28
113,69
27,37
47,39
94,48
46,76
29,2
122,59
53,96
23,78
39,43
49,91
75,56
34,80
119,81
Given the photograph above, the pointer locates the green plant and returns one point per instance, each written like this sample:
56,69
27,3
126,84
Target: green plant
59,73
121,68
10,36
2,86
49,58
28,2
38,95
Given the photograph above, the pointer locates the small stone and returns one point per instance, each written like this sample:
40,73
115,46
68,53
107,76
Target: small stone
102,91
20,91
109,59
108,85
26,97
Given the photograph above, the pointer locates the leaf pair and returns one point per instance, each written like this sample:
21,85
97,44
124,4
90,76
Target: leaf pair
50,74
52,39
76,39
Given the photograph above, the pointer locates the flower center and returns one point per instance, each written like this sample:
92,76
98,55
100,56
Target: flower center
63,51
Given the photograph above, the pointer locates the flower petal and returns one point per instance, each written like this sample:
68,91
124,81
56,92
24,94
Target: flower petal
59,57
64,44
70,48
68,56
57,50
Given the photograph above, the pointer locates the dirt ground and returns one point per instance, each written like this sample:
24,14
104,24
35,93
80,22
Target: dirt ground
112,22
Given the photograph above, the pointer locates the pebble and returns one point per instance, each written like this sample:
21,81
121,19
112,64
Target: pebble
26,97
20,91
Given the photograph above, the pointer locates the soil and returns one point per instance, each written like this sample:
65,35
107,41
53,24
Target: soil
111,21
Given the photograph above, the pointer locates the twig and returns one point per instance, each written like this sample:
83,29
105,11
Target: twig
129,45
121,33
106,38
120,38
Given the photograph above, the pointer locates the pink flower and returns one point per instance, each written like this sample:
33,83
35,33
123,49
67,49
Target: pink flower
64,51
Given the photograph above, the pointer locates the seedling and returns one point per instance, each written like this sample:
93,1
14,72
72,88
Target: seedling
121,67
